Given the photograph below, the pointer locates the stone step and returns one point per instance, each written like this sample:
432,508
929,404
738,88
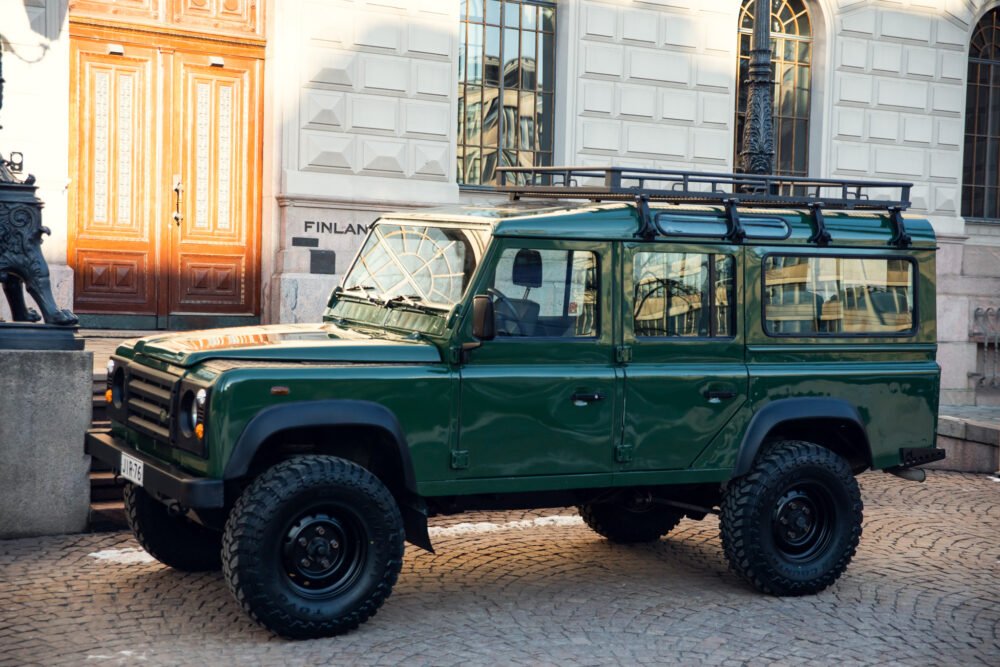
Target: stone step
107,516
971,437
104,487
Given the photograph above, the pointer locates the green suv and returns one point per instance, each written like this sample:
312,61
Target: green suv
643,345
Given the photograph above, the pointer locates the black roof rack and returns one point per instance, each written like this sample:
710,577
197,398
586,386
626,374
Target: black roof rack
729,190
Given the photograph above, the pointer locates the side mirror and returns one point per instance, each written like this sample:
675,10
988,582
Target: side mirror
484,325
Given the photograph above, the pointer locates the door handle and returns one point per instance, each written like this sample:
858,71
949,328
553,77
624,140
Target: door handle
178,200
582,398
718,395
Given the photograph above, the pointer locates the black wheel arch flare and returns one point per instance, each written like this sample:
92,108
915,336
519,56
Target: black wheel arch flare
333,413
802,410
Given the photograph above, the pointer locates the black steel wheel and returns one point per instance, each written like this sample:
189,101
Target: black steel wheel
173,540
630,519
324,551
313,547
792,524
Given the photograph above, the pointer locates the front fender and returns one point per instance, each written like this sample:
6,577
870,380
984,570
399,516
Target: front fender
330,413
337,412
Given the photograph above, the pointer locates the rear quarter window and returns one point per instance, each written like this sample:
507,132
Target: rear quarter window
838,296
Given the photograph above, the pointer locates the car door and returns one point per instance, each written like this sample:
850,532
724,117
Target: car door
543,397
687,376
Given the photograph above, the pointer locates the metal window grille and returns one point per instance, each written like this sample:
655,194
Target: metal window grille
791,65
506,72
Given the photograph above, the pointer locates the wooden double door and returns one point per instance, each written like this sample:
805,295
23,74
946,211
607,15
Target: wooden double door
165,197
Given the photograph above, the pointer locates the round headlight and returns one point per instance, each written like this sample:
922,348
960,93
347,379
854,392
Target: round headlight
188,417
111,367
192,416
117,387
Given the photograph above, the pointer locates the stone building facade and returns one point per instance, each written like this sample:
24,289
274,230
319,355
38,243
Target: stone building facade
366,111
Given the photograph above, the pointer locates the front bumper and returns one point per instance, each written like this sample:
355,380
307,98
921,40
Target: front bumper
160,479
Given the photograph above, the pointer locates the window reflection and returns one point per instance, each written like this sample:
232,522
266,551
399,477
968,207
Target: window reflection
505,87
833,295
682,294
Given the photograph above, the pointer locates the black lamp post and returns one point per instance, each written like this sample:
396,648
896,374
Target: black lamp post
757,148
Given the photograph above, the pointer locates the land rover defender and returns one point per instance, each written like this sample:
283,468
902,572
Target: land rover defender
643,345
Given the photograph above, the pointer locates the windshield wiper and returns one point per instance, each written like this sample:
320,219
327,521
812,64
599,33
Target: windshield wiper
413,301
364,289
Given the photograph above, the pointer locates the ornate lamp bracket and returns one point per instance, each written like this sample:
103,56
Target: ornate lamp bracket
757,147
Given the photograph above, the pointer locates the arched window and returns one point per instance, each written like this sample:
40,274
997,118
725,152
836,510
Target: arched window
791,69
506,82
980,174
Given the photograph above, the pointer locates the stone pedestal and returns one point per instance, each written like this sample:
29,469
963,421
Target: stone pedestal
45,410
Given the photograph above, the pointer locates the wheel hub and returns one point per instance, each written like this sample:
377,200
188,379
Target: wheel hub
800,523
320,552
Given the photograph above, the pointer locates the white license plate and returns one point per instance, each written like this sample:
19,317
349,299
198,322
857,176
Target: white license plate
131,469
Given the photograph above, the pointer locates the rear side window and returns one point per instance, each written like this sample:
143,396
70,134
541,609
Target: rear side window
683,294
837,296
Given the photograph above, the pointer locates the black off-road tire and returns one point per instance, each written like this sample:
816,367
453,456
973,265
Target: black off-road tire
173,540
792,524
623,525
313,547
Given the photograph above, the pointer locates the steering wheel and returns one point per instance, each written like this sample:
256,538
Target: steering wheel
510,317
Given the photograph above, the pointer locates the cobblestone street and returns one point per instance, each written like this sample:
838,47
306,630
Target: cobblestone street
540,588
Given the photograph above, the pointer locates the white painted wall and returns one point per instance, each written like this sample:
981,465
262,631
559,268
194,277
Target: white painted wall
370,99
652,84
35,118
899,99
367,102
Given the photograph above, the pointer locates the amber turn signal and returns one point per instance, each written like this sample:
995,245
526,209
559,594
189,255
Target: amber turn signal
107,395
199,431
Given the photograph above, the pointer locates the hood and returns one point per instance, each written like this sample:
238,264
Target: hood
322,342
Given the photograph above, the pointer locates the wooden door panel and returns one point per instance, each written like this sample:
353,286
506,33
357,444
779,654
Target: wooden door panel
117,10
211,280
216,154
113,241
238,16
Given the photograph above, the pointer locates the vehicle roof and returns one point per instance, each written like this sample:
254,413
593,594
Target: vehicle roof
616,220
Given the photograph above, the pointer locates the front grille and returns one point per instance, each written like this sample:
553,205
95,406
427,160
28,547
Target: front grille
149,396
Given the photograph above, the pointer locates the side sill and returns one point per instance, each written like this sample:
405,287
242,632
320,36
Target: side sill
460,487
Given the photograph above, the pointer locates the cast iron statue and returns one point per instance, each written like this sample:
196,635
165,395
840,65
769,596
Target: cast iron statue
21,261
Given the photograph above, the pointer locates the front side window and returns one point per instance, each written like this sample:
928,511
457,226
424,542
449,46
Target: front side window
506,75
682,294
546,293
791,62
822,296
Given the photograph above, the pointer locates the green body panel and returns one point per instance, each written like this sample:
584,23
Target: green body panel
283,342
420,396
521,390
497,416
668,419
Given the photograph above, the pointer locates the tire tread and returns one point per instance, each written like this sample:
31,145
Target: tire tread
247,523
738,517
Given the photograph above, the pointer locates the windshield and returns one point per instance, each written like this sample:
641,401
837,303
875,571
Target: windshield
423,264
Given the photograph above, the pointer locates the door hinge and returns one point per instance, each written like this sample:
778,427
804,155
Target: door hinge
623,354
623,453
455,354
460,459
